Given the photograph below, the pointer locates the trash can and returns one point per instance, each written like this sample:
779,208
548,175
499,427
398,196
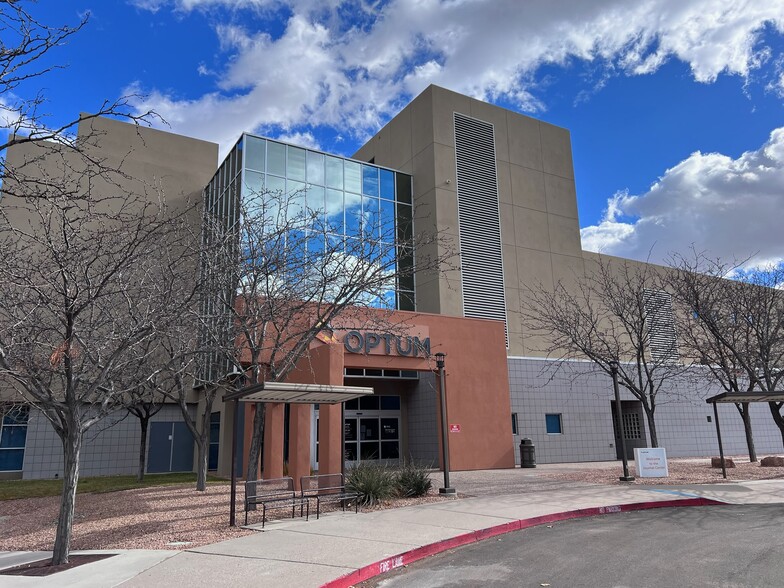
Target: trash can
527,453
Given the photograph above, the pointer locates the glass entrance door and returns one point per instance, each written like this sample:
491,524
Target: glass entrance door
371,430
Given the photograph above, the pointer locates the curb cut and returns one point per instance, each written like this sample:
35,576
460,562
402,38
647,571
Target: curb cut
407,557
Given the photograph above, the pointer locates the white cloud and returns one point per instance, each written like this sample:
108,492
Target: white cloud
324,70
727,207
301,139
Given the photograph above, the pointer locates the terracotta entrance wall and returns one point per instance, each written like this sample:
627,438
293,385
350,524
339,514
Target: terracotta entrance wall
477,384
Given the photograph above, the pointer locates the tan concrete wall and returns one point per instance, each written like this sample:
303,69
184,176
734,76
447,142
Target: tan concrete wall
538,207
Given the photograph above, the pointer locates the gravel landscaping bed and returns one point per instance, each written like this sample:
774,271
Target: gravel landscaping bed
161,517
179,517
682,471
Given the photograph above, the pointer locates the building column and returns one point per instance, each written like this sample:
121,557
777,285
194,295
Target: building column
273,441
299,441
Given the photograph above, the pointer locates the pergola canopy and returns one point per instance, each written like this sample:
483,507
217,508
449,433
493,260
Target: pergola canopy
747,397
291,393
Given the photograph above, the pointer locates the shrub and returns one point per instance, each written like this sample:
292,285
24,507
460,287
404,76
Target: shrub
413,480
373,482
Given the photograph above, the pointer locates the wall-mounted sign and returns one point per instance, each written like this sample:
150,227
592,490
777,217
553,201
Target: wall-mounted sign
386,344
454,428
651,462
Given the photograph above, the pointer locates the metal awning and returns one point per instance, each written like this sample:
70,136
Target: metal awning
726,397
747,397
291,393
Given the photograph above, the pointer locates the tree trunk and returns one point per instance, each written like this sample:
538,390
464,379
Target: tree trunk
72,447
144,423
743,408
775,411
202,449
256,443
654,440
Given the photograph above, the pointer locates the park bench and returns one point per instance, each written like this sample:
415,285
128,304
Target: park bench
274,493
327,488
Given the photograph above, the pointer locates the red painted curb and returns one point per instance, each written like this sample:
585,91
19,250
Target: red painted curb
408,557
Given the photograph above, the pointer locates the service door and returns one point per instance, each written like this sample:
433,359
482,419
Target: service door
170,448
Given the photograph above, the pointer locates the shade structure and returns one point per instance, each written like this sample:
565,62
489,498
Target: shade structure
726,397
747,397
291,393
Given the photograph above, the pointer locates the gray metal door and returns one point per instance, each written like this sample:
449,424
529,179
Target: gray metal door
171,448
633,427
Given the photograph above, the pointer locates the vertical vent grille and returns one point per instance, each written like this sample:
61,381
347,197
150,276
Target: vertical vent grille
661,326
479,220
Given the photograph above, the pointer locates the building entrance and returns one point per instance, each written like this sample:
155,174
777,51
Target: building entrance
371,429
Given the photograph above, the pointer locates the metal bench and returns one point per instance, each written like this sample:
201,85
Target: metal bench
273,493
327,488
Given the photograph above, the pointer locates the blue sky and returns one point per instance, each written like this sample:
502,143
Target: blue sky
676,107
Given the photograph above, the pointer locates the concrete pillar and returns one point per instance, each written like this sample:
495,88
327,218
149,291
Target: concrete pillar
299,441
273,441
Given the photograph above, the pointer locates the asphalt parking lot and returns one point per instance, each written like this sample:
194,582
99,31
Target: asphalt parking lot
729,545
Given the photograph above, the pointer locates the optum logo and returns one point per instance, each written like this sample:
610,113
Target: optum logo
386,343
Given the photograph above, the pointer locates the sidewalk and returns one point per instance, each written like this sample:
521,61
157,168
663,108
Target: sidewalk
317,552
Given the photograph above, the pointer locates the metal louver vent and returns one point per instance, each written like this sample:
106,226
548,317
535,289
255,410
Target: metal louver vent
479,220
662,339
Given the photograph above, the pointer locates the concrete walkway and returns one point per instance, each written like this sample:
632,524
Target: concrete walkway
342,548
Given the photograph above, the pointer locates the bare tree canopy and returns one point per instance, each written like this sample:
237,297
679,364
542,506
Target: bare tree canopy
618,312
275,275
84,283
26,45
733,322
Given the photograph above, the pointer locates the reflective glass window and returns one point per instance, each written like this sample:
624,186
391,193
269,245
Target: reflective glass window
334,204
387,221
368,403
553,424
353,176
255,153
295,167
390,402
315,168
276,184
403,188
276,158
334,173
387,184
315,200
390,450
370,180
370,217
253,186
353,214
295,198
404,223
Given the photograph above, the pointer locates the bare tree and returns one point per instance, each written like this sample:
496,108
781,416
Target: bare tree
24,59
733,320
617,312
85,283
276,274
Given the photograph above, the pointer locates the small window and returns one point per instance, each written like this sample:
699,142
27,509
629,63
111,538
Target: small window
553,422
514,423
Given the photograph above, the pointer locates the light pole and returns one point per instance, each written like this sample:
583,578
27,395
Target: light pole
619,423
447,489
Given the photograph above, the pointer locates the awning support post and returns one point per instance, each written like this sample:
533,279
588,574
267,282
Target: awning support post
233,507
718,435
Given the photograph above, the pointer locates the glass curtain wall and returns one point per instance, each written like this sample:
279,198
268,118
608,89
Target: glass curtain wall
354,201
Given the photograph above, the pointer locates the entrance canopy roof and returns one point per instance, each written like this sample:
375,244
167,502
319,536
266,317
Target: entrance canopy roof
290,393
747,397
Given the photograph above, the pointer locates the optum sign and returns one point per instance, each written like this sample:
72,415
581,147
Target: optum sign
386,344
